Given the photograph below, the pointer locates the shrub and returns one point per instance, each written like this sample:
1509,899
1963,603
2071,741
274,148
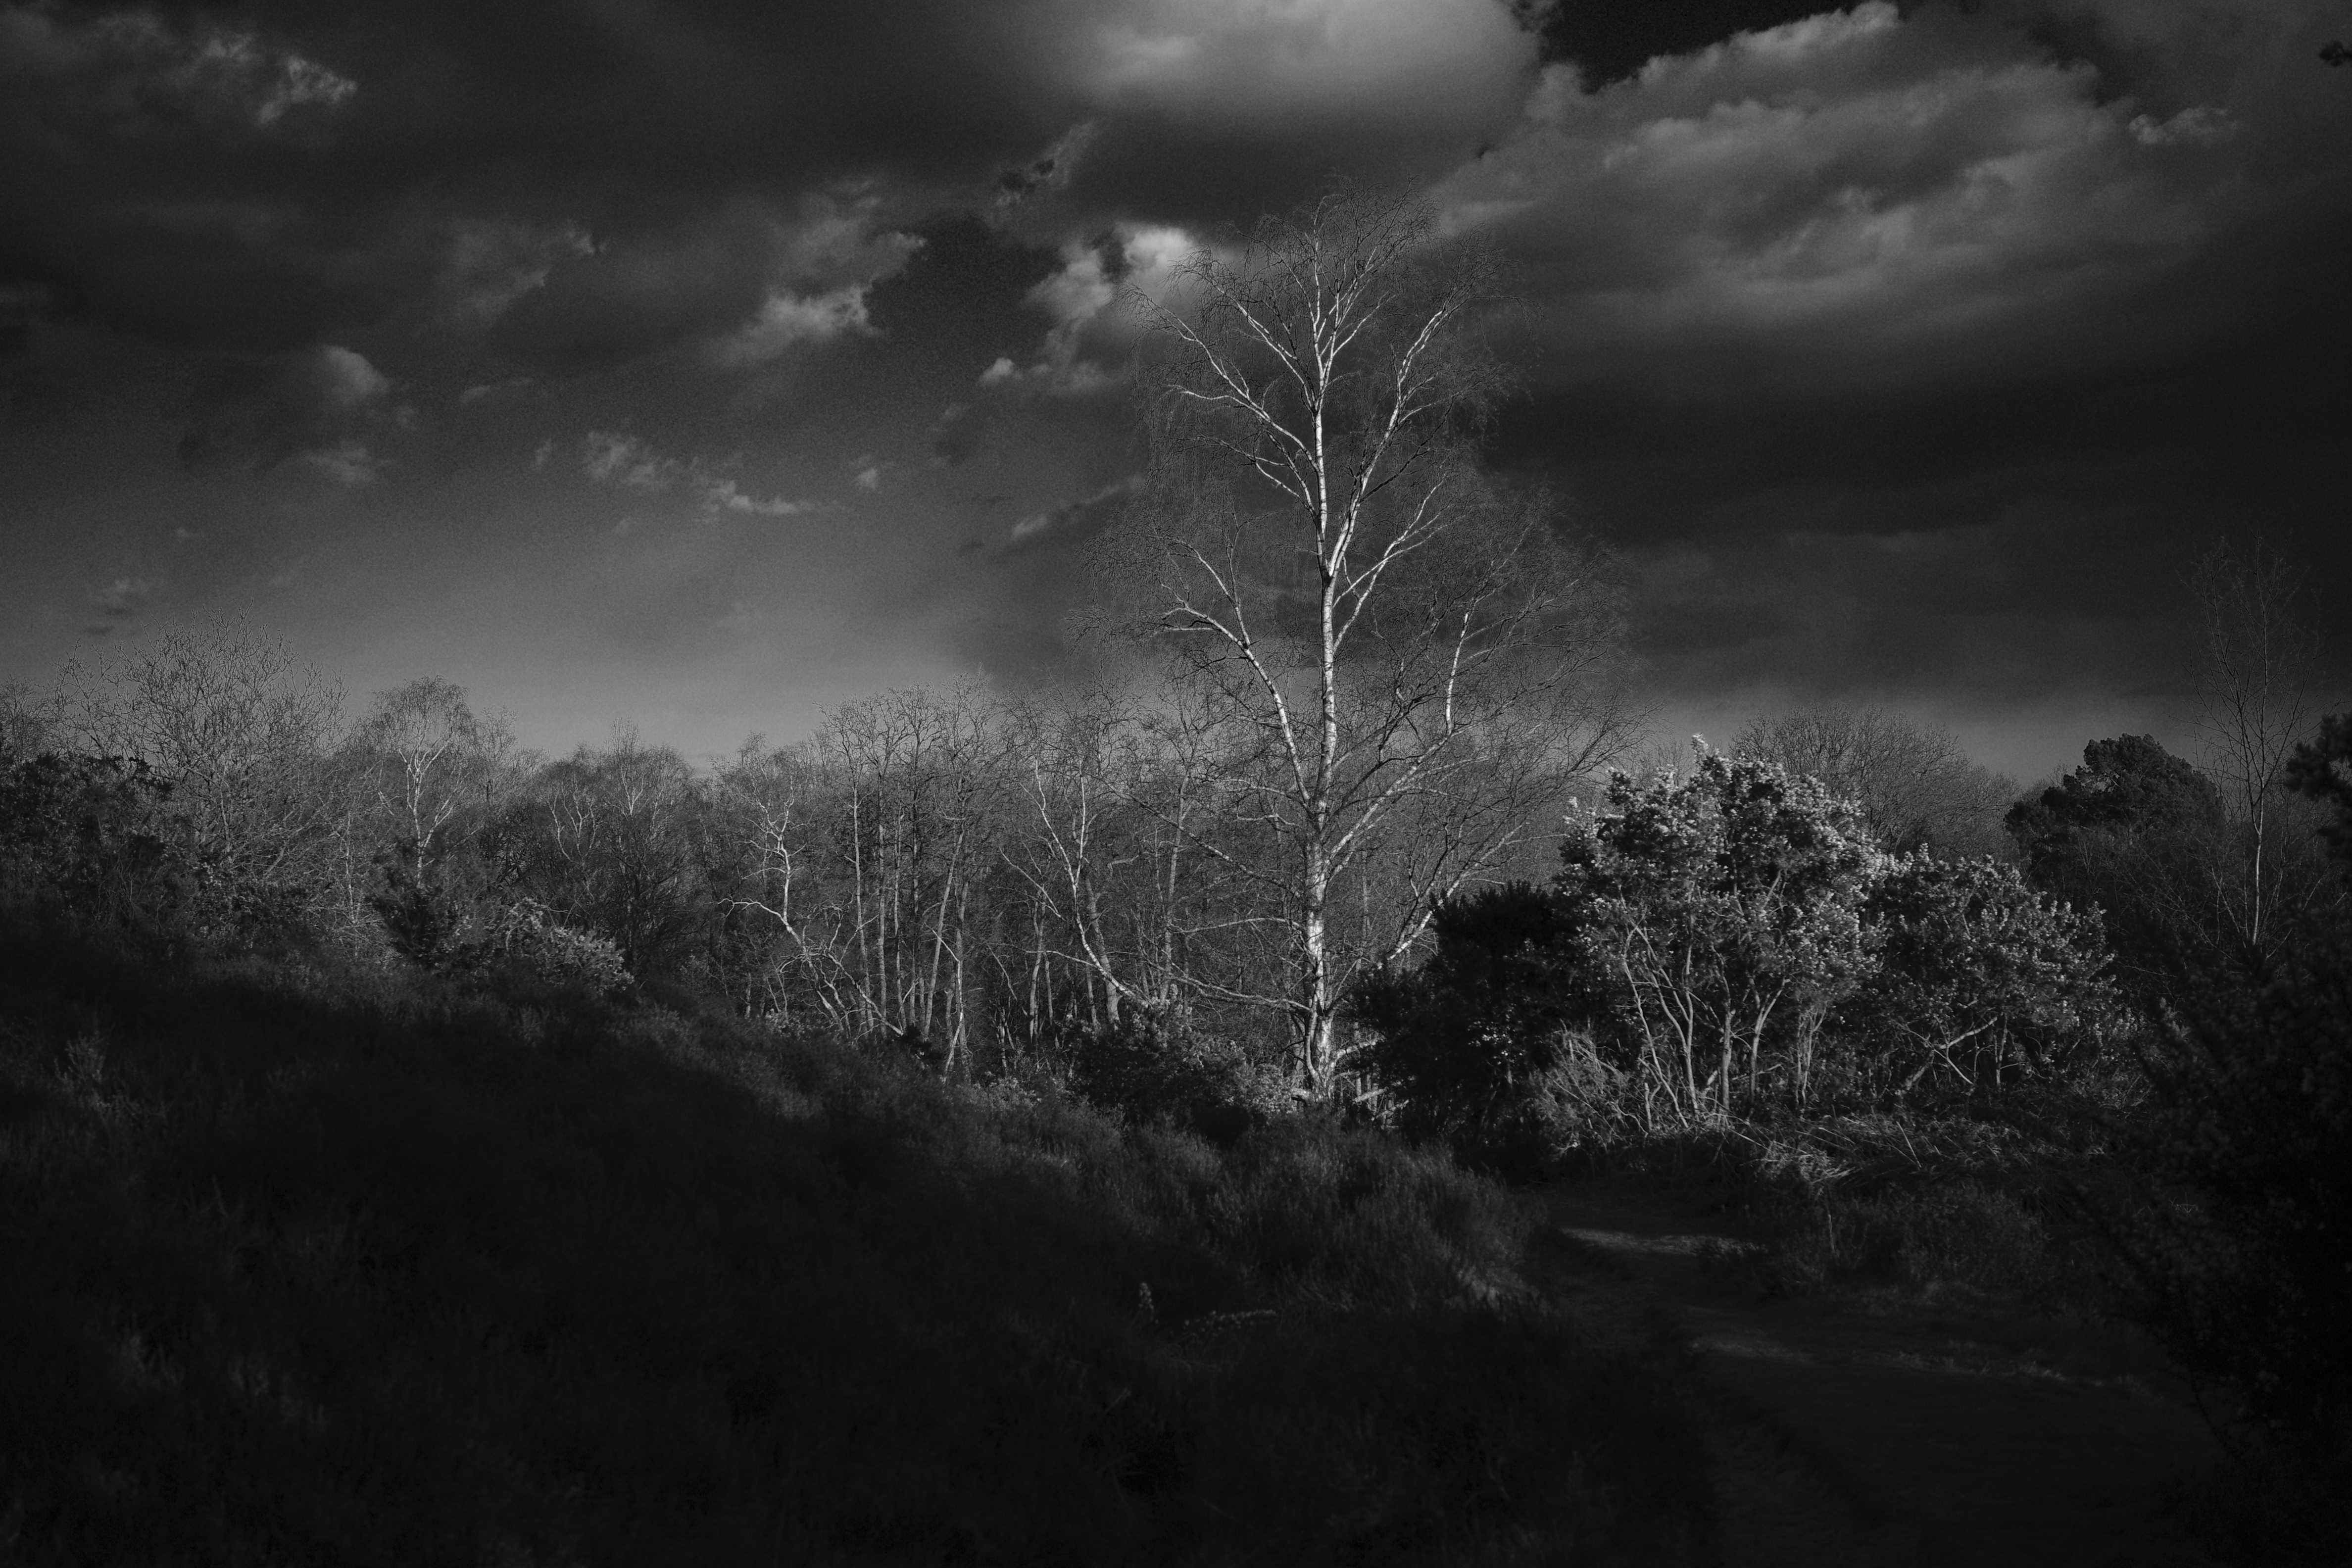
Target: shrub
421,919
1724,947
1154,1074
524,939
1977,979
1463,1041
2240,1249
91,833
1720,917
2321,768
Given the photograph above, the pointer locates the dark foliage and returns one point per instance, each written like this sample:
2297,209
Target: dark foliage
448,923
421,919
2129,781
2321,768
2134,832
1155,1074
2242,1257
1459,1040
91,832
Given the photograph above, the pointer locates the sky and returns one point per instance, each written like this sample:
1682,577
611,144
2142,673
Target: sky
702,365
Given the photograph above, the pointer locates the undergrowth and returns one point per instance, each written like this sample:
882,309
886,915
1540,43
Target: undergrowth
1953,1208
304,1265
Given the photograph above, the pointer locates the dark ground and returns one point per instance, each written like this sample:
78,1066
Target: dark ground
1888,1433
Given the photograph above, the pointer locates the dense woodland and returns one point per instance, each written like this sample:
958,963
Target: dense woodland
1350,874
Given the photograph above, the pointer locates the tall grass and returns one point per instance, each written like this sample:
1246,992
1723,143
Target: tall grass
298,1266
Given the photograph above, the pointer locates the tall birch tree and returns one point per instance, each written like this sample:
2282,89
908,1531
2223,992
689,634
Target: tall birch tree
1408,661
2259,652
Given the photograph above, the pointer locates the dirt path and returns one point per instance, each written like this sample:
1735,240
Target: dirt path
1893,1436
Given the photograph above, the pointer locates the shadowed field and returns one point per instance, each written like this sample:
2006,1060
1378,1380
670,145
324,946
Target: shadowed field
306,1268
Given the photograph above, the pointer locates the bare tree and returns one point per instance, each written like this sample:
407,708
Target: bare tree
26,722
612,842
437,757
865,851
242,732
1917,788
1405,658
1130,858
2260,649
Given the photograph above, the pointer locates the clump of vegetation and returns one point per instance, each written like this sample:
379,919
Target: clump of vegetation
1729,948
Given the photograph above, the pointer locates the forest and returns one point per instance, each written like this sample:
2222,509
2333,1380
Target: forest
419,1149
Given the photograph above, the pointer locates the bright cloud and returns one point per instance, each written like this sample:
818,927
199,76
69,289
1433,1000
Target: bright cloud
734,289
298,82
820,267
725,495
609,457
629,462
346,379
786,320
348,463
489,264
1090,334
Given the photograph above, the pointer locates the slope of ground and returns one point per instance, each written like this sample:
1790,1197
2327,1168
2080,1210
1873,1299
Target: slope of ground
301,1267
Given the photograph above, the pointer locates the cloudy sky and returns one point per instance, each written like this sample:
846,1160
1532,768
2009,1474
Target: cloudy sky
703,362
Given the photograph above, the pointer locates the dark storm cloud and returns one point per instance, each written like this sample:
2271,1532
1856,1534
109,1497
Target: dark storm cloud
2006,611
153,173
1609,40
225,186
318,408
1831,317
607,181
1864,198
1922,351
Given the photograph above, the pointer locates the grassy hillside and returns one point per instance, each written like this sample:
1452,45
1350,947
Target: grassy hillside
299,1267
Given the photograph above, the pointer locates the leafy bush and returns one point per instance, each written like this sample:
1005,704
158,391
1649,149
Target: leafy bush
435,924
1721,918
1726,946
2321,768
1461,1040
1150,1073
2135,833
1977,980
100,842
91,833
421,918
